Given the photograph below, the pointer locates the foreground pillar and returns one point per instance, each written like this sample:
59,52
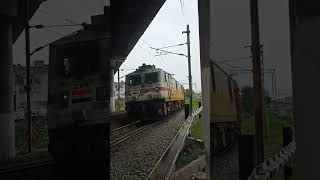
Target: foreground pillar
7,133
305,56
111,84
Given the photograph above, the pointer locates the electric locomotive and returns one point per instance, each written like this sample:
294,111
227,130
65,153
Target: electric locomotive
224,109
79,99
152,91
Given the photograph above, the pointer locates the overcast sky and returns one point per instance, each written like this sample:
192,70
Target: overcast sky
231,34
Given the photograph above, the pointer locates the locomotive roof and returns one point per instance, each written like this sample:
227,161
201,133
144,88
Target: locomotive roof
222,70
149,68
145,69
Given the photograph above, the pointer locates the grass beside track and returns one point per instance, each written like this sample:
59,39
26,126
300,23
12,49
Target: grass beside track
272,131
192,152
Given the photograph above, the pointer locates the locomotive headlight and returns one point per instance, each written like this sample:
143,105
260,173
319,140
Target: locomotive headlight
157,89
129,93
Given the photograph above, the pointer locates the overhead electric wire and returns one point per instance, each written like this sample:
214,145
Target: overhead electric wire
41,47
234,66
168,52
55,32
235,59
153,56
39,26
163,61
181,44
57,17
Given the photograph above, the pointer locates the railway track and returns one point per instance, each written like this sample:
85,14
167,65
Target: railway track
16,167
126,132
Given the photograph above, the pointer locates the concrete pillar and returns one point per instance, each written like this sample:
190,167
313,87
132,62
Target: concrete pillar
205,26
305,38
7,131
111,78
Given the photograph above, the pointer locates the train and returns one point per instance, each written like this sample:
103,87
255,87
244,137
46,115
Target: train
152,92
225,112
79,100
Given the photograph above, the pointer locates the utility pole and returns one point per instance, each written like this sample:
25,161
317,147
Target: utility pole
118,84
257,90
28,88
275,90
189,67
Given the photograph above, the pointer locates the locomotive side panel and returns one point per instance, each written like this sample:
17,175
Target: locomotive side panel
222,98
176,90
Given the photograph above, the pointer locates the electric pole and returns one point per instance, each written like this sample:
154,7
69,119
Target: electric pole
257,90
28,88
189,67
118,84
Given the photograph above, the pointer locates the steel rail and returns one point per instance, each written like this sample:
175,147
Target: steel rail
125,126
131,134
27,165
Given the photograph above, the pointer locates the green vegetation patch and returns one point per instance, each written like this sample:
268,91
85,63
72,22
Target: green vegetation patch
272,131
187,155
197,129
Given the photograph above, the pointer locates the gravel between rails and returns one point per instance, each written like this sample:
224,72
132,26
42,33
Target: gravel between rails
225,167
136,157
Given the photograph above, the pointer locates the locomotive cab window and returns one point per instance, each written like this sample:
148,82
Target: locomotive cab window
150,78
133,80
80,61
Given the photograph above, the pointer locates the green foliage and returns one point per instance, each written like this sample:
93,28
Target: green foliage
272,126
197,129
246,99
188,155
187,92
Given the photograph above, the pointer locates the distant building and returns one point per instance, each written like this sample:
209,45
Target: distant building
122,90
39,89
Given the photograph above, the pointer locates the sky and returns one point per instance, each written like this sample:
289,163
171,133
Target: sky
231,33
166,30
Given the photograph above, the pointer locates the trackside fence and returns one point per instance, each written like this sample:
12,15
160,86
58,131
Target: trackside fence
164,169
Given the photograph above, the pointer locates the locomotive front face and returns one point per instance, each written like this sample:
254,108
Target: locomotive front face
144,86
146,92
77,85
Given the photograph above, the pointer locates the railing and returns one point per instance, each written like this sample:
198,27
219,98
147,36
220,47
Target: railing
165,167
274,166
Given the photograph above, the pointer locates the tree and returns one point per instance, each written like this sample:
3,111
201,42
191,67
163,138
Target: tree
246,99
186,92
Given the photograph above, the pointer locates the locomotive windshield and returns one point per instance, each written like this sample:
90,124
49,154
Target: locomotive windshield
81,61
134,79
150,78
